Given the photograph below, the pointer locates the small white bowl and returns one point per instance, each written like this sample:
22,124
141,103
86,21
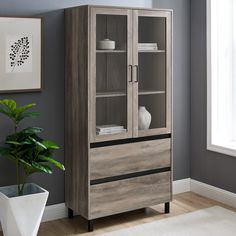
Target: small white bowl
106,44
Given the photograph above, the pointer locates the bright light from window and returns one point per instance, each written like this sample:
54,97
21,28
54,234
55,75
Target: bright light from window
221,66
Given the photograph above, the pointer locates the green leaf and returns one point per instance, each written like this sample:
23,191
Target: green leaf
25,107
16,114
52,161
5,112
31,130
38,144
10,104
49,144
41,167
25,151
29,169
25,163
13,142
23,134
25,147
18,143
27,115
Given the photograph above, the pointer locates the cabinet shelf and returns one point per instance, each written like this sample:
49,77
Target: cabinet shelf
151,51
106,94
150,92
111,51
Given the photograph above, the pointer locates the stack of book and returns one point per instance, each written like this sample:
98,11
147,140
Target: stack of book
147,46
110,129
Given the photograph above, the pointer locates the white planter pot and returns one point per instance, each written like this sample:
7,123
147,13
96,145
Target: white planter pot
21,215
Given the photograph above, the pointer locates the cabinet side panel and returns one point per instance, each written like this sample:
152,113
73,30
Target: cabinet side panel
76,109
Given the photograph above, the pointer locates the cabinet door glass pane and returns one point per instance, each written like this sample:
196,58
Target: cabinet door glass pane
152,71
111,75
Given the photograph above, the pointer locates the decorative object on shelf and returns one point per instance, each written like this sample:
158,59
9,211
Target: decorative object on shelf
109,129
22,205
106,44
20,54
144,118
147,46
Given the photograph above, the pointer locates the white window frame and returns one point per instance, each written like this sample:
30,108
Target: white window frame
216,146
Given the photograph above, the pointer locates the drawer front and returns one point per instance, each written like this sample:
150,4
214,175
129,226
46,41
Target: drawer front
129,158
130,194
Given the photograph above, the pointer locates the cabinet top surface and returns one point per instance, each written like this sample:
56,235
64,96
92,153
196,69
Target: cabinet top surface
121,7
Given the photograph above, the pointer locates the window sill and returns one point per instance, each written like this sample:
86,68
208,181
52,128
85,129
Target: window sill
228,148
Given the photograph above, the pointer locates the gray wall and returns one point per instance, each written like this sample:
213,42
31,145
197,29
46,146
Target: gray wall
181,84
51,101
206,166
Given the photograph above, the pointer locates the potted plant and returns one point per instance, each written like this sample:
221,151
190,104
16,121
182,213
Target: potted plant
22,205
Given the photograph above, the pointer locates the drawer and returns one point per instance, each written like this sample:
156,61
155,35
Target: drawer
130,194
129,158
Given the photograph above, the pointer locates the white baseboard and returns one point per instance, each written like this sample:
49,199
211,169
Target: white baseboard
59,211
54,212
214,193
181,186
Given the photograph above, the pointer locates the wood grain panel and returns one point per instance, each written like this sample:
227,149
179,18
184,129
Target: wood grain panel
76,110
109,16
168,70
125,195
129,158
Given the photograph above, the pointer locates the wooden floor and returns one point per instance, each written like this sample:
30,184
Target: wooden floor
183,203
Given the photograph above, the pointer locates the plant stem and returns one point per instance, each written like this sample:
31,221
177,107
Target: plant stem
17,166
22,189
18,176
23,184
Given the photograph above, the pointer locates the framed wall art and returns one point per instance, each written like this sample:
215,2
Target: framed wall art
20,54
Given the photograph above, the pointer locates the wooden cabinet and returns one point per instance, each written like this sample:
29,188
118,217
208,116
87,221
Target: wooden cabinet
105,88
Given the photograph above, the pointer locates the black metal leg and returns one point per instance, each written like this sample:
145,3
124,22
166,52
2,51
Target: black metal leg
90,225
167,207
70,213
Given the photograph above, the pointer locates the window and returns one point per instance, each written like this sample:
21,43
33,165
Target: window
221,76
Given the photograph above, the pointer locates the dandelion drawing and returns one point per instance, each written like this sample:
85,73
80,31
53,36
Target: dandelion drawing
19,52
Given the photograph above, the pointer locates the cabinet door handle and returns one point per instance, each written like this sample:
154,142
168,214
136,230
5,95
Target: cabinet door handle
137,73
131,73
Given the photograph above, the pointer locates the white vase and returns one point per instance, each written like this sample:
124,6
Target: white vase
144,118
21,215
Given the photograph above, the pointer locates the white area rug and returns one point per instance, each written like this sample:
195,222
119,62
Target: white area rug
214,221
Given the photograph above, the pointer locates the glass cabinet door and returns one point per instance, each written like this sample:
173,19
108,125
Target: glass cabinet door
152,62
111,86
